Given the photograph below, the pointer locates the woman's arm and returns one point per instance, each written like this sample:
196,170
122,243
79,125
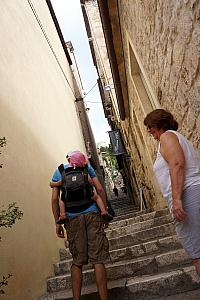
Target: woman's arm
172,152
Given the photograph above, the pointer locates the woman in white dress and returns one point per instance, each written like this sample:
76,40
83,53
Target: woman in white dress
177,169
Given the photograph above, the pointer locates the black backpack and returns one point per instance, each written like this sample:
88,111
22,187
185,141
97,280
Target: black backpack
76,190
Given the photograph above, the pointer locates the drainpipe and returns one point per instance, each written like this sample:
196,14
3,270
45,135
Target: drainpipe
105,18
51,10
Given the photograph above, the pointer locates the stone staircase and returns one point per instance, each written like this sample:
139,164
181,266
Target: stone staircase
123,206
146,262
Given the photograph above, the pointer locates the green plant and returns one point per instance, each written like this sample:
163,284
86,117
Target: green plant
4,282
2,144
109,158
8,218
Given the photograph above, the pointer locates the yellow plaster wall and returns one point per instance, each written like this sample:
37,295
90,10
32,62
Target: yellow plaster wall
38,119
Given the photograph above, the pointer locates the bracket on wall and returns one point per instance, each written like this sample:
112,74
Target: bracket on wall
78,99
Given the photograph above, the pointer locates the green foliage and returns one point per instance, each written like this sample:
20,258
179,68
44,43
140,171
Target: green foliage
109,158
9,216
4,282
2,144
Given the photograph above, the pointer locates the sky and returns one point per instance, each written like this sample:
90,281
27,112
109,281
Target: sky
70,18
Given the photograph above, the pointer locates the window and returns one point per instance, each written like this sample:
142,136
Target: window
141,84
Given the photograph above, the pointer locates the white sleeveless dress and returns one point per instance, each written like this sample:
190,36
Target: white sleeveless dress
188,230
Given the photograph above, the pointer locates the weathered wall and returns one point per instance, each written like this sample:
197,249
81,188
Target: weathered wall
38,119
103,64
163,37
104,70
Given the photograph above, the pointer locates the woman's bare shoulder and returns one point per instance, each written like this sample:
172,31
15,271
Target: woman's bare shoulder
168,135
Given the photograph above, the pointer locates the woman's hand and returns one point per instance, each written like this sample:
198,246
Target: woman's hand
178,211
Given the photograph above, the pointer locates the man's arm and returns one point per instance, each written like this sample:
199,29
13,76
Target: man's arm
53,184
56,211
99,189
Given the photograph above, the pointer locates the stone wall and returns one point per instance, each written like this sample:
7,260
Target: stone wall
161,52
101,55
164,38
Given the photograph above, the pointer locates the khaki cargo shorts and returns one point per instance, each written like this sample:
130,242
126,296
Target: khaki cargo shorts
87,239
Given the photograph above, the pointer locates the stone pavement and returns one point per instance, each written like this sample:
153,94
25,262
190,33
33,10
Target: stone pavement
146,262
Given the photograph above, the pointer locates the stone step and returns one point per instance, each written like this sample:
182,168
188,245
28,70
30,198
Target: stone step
146,287
160,285
139,218
161,245
142,236
153,247
135,227
148,230
64,253
147,262
126,269
125,208
132,214
120,199
138,237
124,211
89,293
136,217
124,205
188,295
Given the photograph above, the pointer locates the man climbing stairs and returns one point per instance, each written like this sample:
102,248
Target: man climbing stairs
146,262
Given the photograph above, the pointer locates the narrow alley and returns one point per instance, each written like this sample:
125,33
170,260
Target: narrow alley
118,82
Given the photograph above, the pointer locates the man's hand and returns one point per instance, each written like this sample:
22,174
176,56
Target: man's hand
105,224
178,211
60,231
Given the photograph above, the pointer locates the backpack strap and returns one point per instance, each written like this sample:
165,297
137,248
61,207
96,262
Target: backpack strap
86,174
61,168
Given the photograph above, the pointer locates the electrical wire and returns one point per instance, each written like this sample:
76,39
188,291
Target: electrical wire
90,90
49,43
100,57
93,102
53,51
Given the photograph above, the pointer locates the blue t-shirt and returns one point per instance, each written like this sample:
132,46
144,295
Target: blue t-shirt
57,176
91,207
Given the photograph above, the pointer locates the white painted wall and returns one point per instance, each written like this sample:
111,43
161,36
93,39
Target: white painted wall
38,119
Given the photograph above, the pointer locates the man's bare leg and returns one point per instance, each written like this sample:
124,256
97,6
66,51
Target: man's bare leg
76,275
196,263
101,281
